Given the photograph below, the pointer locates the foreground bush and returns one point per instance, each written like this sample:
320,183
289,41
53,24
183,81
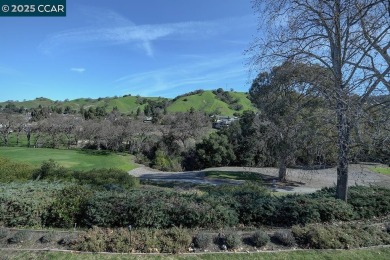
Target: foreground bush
260,238
25,204
156,209
340,236
106,178
202,240
284,237
11,171
59,205
65,211
369,202
174,240
111,179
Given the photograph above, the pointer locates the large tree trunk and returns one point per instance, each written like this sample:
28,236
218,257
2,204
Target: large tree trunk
282,169
343,151
28,139
342,106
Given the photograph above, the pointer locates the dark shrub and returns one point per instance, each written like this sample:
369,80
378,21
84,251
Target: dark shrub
258,210
301,209
284,237
66,209
175,240
93,240
12,171
69,240
230,240
387,227
107,209
369,202
19,237
340,237
50,170
260,238
26,204
3,233
47,238
202,240
104,177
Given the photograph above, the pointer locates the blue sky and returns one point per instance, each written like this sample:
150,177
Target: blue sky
146,47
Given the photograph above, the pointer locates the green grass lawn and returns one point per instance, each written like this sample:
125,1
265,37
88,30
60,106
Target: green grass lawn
369,254
382,170
72,159
245,176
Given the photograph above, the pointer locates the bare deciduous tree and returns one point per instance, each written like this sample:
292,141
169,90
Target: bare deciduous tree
337,35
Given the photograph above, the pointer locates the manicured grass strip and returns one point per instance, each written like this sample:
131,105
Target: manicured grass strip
72,159
368,254
382,170
245,176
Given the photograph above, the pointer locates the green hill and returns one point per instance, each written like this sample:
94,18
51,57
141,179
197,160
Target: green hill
205,101
208,102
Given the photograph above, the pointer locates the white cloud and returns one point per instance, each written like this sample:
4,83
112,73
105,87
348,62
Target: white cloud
118,30
78,70
199,73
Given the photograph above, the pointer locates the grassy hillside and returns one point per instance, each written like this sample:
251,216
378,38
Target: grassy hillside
72,159
205,102
209,103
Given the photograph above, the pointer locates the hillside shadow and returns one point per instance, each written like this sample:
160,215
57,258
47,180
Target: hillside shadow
94,152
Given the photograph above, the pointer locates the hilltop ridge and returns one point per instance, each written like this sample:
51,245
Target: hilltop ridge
208,101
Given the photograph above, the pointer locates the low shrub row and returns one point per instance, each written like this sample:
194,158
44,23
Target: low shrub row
157,209
62,205
343,236
174,240
26,204
179,240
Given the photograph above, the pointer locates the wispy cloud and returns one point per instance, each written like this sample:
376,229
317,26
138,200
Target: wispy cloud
200,73
78,70
116,29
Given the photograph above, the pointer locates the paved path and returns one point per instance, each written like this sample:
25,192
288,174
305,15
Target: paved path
300,180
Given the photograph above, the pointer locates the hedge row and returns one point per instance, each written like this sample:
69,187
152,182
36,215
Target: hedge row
60,205
344,236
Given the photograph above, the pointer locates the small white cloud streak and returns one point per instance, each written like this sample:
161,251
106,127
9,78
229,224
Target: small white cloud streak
199,74
119,30
78,70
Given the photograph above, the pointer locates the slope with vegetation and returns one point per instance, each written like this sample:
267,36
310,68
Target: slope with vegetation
203,101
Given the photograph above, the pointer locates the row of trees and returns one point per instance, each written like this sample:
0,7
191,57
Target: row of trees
171,135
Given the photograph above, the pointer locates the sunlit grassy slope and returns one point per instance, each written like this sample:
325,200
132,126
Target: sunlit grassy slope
207,102
204,102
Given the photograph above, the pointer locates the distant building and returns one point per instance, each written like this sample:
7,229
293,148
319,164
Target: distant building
223,121
148,119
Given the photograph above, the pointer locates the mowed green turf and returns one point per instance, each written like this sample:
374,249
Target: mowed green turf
72,159
382,170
